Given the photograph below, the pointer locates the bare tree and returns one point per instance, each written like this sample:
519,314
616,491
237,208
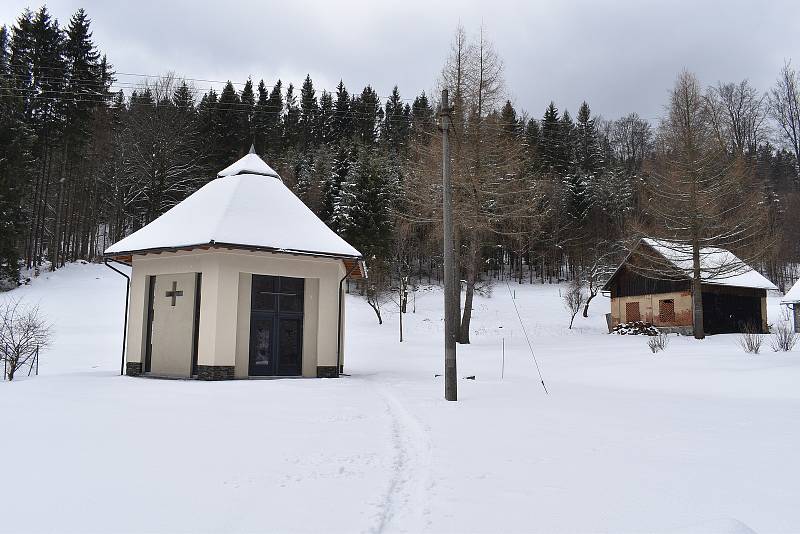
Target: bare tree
23,332
738,116
784,107
700,198
574,299
599,269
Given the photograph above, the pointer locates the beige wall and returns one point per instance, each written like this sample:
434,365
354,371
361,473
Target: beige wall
224,304
648,308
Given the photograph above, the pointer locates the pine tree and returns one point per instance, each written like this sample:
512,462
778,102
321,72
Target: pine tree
332,184
342,118
508,119
15,141
368,116
344,181
325,120
291,125
309,110
551,141
397,125
246,113
230,142
273,123
422,116
260,118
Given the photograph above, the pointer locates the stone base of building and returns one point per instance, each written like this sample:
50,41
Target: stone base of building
133,368
327,371
215,372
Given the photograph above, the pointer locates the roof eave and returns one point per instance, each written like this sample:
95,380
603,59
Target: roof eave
216,244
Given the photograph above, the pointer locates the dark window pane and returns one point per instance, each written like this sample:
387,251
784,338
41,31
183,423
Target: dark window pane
289,355
263,295
261,342
291,294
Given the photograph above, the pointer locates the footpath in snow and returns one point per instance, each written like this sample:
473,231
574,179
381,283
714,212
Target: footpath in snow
700,438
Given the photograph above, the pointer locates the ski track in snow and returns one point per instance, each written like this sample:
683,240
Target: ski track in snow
404,507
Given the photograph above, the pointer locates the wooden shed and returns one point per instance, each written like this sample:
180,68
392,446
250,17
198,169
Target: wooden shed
653,284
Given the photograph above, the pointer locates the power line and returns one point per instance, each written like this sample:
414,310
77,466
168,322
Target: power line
524,331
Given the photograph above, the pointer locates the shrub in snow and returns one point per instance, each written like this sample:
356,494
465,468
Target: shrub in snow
750,340
22,333
635,328
658,342
574,299
783,338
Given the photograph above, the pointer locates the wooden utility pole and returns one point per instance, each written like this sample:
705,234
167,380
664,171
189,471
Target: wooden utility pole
450,302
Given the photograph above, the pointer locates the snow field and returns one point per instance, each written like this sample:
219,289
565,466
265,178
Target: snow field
699,438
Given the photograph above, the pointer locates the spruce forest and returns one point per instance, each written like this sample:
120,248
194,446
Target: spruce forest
541,195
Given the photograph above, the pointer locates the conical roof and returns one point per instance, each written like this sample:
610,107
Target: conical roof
793,295
250,164
248,206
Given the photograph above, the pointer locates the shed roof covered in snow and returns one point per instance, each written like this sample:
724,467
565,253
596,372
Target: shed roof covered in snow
718,266
246,206
793,295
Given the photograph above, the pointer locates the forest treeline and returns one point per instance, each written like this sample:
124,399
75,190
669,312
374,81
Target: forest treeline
86,159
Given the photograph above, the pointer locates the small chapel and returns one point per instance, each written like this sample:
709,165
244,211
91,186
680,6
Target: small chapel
239,280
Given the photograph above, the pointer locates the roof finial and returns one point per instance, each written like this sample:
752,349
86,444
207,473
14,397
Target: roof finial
252,148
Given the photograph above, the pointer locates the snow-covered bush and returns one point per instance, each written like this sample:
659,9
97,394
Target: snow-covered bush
750,340
783,338
658,342
23,332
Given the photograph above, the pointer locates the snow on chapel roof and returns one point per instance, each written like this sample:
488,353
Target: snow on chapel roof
248,205
250,164
719,266
793,295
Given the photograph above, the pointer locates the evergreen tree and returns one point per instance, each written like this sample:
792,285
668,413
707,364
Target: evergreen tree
15,140
246,113
368,116
551,141
230,142
273,123
345,182
508,119
325,120
291,126
342,114
332,184
397,124
260,118
309,110
589,152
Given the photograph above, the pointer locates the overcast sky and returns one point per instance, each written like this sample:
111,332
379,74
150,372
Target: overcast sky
619,56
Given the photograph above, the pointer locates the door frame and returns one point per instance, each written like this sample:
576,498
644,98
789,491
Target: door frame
275,317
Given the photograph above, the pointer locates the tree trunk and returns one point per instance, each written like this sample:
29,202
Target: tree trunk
472,277
697,294
592,294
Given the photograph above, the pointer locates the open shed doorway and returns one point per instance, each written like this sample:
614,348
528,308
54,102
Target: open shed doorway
729,314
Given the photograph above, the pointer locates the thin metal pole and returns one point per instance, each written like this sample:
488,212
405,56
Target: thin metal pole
503,365
450,303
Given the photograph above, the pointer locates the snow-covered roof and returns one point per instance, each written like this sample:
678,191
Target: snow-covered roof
241,208
718,266
793,295
250,164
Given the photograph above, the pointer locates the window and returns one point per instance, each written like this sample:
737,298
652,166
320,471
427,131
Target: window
632,312
666,311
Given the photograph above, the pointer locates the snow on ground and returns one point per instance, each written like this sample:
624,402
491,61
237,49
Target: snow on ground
701,438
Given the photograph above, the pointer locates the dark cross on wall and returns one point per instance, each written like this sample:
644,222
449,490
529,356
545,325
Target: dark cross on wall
174,293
